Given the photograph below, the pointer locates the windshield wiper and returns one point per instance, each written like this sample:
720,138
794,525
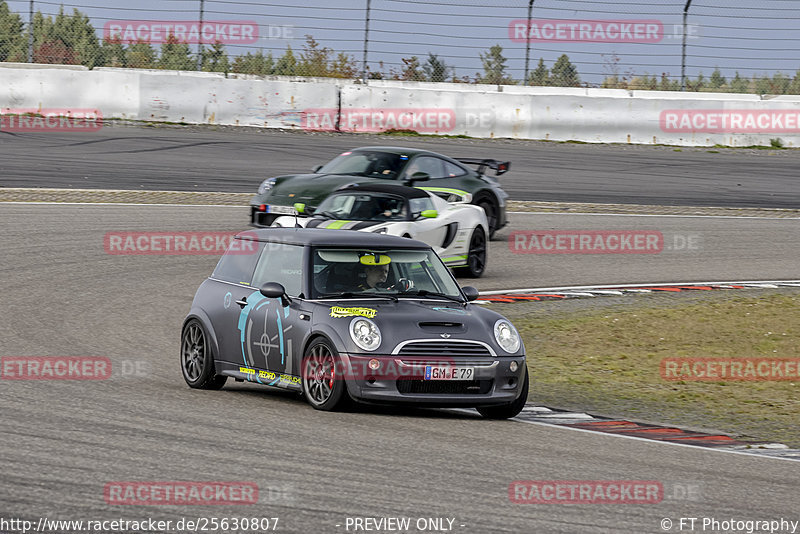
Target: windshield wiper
426,293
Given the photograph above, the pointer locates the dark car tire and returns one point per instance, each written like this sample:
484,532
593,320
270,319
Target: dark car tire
507,411
492,210
324,386
476,256
197,358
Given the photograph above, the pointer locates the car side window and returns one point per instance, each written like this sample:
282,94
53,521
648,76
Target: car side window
428,164
283,264
451,170
238,262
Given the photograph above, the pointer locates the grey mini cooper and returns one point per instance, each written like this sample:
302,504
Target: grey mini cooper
347,315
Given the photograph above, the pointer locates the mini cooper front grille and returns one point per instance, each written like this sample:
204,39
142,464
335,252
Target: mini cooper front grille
444,348
444,387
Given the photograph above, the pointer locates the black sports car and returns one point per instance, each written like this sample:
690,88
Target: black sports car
452,179
350,315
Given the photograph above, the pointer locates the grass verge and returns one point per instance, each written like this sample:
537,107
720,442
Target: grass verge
607,361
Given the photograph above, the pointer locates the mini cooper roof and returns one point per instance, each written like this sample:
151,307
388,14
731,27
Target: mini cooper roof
333,238
394,189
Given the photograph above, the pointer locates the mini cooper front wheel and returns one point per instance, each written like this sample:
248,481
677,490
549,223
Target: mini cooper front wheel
197,360
512,409
323,383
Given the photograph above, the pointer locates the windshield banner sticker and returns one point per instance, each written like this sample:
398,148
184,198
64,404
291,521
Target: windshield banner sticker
338,311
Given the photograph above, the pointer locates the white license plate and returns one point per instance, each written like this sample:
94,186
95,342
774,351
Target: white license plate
286,210
445,372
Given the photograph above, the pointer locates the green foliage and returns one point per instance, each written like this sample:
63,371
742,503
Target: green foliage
65,39
739,84
256,63
314,59
214,58
412,70
794,86
176,55
564,73
494,67
12,40
141,55
113,53
435,69
343,66
717,80
540,75
287,64
668,85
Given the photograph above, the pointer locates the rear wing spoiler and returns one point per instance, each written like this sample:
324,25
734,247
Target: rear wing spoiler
499,167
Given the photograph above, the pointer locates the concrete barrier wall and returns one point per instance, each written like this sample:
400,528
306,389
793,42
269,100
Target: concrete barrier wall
164,96
548,113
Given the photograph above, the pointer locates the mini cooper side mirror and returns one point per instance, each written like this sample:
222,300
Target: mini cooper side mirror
274,290
470,292
316,169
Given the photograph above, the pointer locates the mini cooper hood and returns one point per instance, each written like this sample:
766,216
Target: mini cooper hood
309,189
409,319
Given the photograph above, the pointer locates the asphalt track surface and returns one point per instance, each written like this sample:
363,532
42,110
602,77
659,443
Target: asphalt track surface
61,442
236,160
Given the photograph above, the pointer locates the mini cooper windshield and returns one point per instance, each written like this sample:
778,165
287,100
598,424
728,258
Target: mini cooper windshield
393,273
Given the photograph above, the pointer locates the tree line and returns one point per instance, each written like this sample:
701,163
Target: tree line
72,40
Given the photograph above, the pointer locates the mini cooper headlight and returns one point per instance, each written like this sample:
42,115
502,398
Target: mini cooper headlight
266,185
365,333
507,336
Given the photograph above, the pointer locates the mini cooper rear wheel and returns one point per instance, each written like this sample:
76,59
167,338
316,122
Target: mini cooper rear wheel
476,257
507,411
323,387
197,360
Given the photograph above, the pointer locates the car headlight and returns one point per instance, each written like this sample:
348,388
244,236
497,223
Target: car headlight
506,336
266,185
365,333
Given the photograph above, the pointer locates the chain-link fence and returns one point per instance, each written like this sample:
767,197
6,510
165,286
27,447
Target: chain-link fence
700,45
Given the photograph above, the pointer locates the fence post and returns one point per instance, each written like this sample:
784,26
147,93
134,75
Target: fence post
528,42
30,33
366,42
683,47
200,39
